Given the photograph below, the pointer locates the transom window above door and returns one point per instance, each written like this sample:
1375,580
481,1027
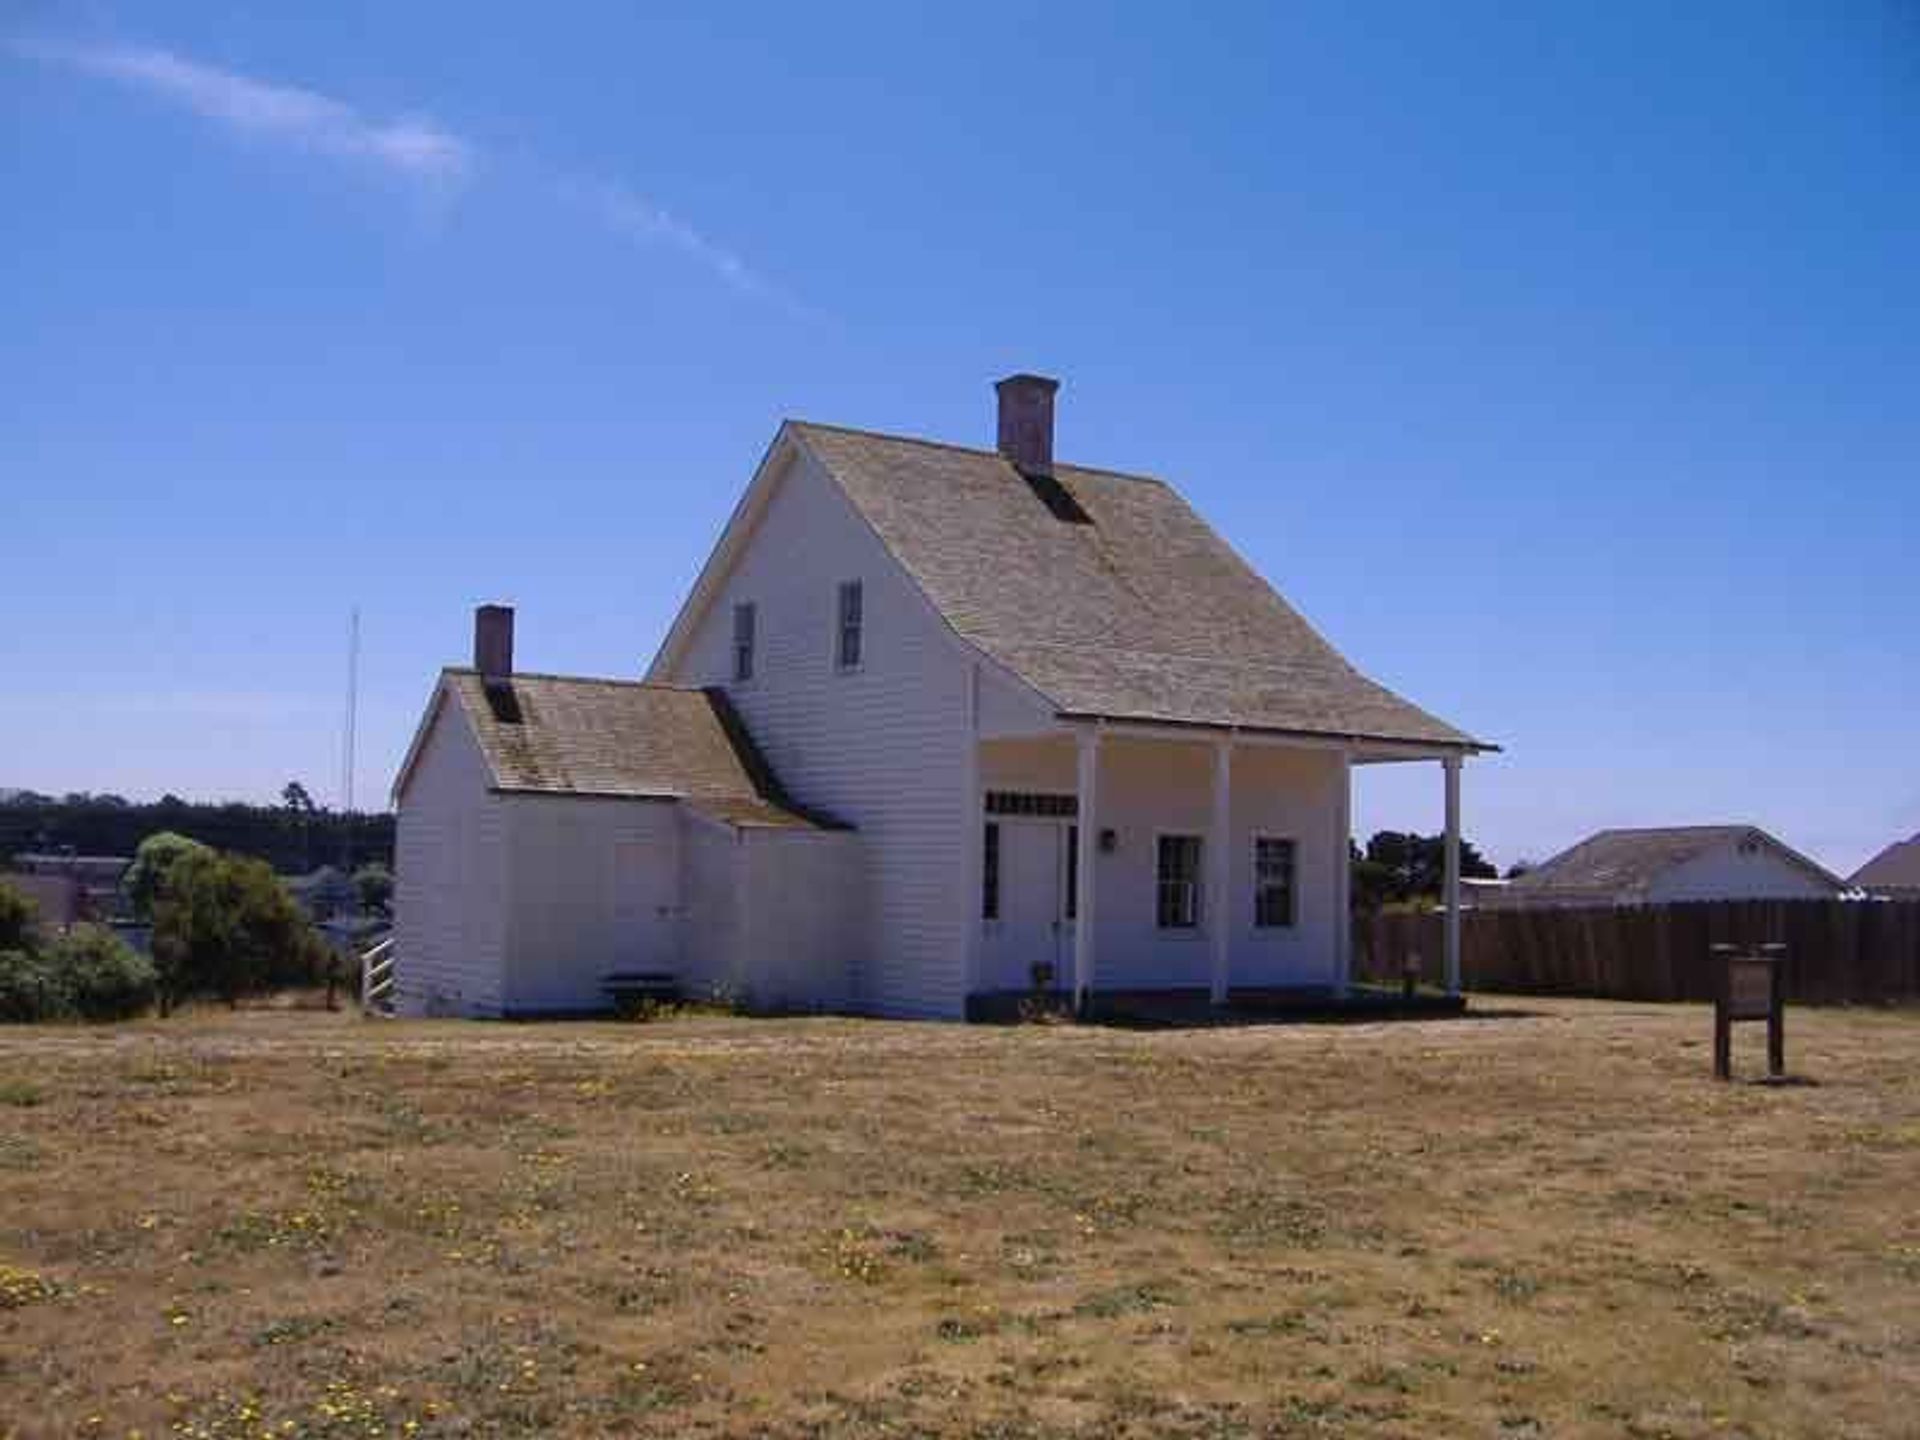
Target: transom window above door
1032,802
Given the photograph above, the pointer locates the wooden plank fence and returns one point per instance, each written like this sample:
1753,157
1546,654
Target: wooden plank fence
1838,952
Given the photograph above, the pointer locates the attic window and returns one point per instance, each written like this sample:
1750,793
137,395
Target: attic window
743,628
846,652
1056,497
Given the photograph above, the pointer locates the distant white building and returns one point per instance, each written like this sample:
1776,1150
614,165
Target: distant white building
935,725
1667,864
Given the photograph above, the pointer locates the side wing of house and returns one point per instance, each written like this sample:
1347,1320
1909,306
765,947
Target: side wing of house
1750,869
593,888
804,906
712,883
883,744
450,873
770,913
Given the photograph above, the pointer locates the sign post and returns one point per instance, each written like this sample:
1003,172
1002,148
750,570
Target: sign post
1752,987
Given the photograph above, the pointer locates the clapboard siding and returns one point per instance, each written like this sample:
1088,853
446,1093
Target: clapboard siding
770,916
803,917
879,748
1728,873
450,877
593,888
712,885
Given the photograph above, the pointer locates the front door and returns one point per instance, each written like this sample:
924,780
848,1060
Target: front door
1032,925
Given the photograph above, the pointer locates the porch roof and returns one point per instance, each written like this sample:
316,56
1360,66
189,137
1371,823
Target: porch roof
1108,595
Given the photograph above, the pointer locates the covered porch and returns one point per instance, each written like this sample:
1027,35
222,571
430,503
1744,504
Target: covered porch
1116,860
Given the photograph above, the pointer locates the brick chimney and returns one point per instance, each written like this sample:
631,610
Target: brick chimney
1026,422
493,643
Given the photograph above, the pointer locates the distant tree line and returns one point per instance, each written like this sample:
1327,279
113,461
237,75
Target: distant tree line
292,837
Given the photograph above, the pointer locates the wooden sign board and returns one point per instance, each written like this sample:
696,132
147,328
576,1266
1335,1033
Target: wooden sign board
1750,988
1754,989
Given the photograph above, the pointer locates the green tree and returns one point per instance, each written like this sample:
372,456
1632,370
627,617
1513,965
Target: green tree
17,916
300,812
153,864
29,988
224,925
373,887
1372,885
102,976
1399,867
89,971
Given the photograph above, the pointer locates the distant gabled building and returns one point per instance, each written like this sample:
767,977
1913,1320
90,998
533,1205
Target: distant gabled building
1893,874
58,901
1667,864
94,882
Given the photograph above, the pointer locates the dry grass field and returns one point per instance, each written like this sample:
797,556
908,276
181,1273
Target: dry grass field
1542,1223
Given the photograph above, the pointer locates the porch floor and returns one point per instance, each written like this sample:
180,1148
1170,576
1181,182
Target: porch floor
1193,1008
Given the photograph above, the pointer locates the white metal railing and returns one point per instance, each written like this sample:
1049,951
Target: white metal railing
376,977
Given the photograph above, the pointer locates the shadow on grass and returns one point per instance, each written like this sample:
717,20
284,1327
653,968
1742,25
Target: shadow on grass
1194,1010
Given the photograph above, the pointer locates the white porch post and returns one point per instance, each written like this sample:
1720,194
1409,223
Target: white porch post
1452,895
1343,875
973,845
1089,821
1219,864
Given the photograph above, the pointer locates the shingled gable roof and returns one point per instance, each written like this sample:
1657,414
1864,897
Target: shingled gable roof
1107,594
1895,868
1621,862
571,735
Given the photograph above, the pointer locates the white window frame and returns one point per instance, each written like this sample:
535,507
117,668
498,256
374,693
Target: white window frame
856,588
1199,884
1292,922
751,647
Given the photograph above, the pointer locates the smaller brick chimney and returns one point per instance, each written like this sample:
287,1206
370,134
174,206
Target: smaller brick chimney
493,643
1026,422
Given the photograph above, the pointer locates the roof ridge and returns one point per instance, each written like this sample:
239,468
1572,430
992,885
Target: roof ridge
1678,829
580,679
973,450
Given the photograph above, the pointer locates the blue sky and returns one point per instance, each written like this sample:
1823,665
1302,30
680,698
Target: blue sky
1561,362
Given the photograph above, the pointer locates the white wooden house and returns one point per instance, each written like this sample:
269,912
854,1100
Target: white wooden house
934,726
